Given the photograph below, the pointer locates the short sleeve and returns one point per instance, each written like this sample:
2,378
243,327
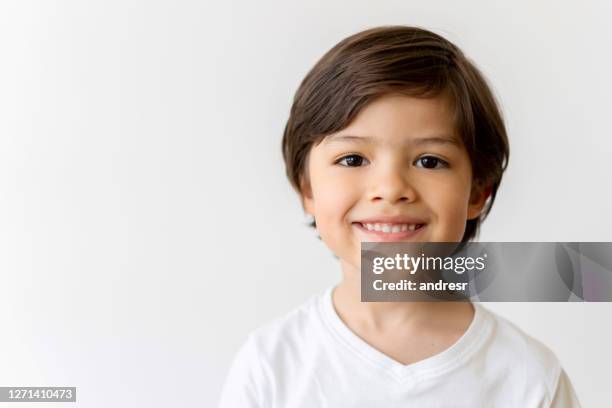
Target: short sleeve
243,384
565,396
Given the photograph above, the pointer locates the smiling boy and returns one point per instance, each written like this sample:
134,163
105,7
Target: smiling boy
394,135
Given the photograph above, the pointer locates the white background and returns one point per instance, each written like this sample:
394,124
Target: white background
146,225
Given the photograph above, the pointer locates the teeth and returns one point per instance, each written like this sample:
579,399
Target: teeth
390,228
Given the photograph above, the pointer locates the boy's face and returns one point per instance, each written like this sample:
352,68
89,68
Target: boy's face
398,172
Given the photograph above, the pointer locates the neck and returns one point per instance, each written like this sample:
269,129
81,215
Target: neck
385,315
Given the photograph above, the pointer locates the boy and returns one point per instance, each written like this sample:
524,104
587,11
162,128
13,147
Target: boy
394,136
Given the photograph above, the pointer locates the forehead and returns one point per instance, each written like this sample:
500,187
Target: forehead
399,118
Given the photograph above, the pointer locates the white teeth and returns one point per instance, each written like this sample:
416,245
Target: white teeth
390,228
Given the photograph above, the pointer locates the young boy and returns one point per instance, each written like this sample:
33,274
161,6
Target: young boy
394,135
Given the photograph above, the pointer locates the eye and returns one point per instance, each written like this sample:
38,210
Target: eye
352,160
431,162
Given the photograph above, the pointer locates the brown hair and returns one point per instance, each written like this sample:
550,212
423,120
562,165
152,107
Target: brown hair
397,59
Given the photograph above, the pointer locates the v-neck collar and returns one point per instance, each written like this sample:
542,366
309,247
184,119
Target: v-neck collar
477,332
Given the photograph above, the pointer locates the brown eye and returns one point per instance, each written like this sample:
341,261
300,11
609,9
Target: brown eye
352,160
431,162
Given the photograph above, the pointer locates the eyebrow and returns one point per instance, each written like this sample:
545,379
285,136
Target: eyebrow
418,141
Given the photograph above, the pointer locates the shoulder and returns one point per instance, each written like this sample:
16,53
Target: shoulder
290,328
268,350
523,355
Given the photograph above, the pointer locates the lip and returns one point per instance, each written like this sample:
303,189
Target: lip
380,236
398,219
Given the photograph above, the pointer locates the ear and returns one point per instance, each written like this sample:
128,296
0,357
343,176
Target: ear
307,198
478,198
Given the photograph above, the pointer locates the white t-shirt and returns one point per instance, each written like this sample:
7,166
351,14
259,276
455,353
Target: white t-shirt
310,358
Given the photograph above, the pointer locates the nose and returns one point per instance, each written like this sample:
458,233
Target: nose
390,183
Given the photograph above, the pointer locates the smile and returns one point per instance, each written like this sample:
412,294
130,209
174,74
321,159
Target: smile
389,231
391,227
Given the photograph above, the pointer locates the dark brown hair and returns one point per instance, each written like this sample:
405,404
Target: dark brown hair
397,59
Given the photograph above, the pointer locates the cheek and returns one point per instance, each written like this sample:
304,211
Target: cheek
449,200
453,203
333,199
334,196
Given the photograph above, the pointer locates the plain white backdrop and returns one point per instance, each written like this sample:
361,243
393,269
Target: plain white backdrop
146,225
